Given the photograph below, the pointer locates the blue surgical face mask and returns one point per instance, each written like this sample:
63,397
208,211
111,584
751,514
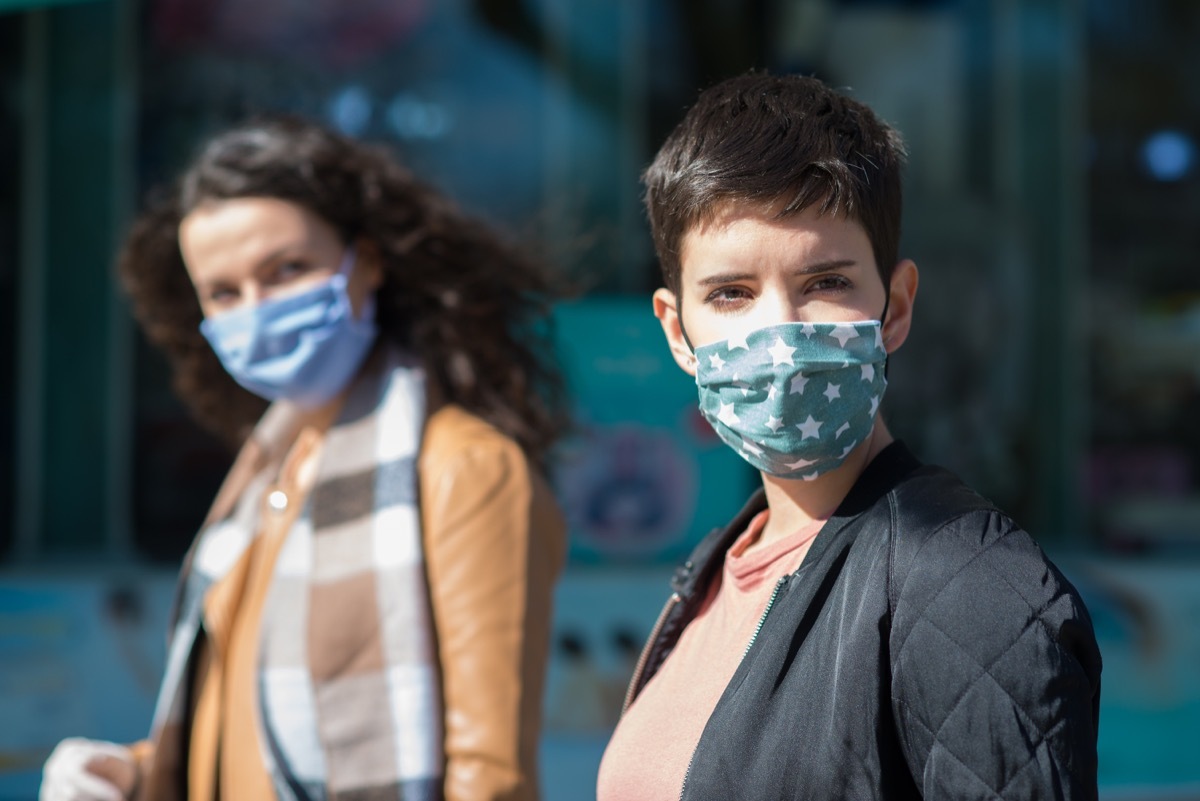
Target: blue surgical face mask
794,399
303,348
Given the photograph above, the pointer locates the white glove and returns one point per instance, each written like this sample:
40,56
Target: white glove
88,770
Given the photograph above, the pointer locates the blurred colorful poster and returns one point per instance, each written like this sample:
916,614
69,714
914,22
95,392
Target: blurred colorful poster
644,476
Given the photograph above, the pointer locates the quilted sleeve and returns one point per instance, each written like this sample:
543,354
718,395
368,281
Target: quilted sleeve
995,668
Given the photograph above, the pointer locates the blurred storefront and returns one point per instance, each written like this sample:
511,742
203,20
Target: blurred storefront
1053,184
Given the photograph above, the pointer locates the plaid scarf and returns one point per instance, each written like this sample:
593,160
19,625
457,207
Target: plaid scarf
348,684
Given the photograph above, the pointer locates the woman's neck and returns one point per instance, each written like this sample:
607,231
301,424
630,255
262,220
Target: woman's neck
321,417
796,504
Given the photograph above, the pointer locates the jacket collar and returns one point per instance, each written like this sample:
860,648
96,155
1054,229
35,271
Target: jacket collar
889,467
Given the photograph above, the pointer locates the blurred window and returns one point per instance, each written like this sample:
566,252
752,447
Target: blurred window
541,115
11,54
1054,170
1141,476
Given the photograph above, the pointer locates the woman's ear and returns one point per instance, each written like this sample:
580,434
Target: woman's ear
366,277
370,264
667,311
902,294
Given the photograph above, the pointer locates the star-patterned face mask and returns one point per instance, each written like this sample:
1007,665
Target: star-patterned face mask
794,399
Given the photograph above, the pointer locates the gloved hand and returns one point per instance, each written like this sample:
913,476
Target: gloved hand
88,770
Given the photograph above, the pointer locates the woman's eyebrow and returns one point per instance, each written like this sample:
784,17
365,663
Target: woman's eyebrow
807,269
270,257
825,266
725,278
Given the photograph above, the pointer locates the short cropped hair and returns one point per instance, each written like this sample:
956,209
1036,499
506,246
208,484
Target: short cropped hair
784,142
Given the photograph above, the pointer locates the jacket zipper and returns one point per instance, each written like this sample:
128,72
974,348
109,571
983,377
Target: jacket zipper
645,655
761,620
774,594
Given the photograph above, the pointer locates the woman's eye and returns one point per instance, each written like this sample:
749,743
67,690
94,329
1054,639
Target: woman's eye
222,295
727,296
830,283
290,269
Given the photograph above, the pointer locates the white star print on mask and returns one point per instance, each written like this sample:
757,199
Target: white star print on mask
794,399
781,353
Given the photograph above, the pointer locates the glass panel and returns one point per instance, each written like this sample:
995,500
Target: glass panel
177,467
1143,469
11,71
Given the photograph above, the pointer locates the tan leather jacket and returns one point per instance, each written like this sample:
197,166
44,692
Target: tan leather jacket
494,545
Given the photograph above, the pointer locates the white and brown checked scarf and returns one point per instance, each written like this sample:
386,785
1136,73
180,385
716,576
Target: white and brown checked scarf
348,684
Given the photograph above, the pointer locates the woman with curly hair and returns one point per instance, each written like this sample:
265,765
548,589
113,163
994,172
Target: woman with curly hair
365,612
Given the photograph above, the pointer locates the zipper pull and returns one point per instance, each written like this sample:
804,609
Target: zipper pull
682,574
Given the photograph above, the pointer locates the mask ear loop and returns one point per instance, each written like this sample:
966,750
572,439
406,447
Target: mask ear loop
882,318
348,261
682,330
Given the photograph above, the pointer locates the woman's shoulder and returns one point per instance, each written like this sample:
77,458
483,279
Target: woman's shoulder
933,500
953,552
457,442
467,466
452,429
942,529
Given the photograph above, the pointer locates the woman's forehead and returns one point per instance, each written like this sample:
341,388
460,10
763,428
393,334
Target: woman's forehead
750,234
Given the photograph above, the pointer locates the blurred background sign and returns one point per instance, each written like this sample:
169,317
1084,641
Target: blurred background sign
645,476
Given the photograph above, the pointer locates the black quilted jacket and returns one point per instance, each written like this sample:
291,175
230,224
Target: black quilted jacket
925,649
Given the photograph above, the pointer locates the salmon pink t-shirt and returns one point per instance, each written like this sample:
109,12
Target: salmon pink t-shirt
649,752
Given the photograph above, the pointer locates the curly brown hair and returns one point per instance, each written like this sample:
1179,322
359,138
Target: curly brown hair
472,305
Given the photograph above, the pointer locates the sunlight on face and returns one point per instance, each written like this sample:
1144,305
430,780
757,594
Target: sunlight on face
743,271
242,251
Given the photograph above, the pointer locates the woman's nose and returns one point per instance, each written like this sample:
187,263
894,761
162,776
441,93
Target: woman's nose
251,294
780,308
